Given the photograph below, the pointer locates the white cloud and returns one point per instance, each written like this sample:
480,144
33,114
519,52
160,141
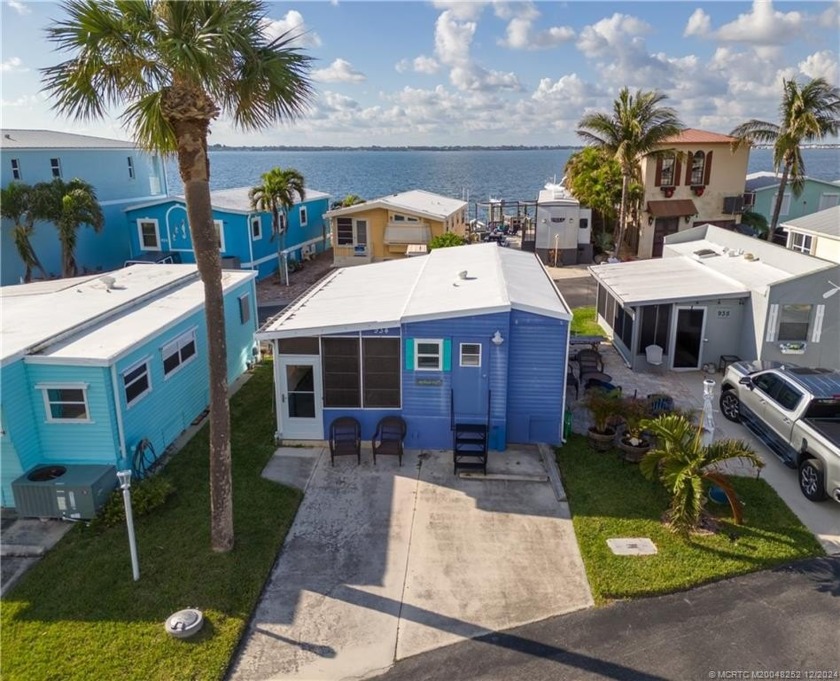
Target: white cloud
459,9
19,7
12,64
421,64
520,33
763,26
293,24
830,18
338,102
340,71
618,34
699,24
453,38
821,65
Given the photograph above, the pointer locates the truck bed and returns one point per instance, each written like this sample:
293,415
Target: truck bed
828,428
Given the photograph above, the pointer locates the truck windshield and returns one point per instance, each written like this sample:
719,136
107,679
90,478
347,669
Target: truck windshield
823,409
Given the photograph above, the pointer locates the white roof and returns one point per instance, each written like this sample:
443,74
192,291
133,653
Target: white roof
53,139
383,295
556,193
825,223
235,200
416,201
92,323
673,279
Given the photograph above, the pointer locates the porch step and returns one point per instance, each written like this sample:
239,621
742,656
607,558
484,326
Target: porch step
469,447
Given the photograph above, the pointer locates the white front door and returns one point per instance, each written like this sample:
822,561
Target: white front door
300,401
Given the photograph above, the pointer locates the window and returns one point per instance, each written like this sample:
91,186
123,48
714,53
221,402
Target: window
793,322
801,242
149,233
342,373
785,210
303,345
351,232
136,382
698,168
244,308
55,166
256,228
381,372
788,396
16,175
470,354
220,234
66,403
130,168
397,217
767,383
623,326
666,173
303,216
178,353
828,201
428,355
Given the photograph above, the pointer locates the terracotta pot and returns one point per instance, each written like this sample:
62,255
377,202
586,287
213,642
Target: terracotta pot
601,442
633,453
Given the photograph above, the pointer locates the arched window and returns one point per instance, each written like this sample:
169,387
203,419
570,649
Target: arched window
698,168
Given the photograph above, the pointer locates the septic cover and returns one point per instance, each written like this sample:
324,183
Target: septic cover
184,622
632,546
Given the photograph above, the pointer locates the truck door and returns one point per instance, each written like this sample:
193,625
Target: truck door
779,415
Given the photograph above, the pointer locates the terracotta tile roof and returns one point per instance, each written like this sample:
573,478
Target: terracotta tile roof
693,136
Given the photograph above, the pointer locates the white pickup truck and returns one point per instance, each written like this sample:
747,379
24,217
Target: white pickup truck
796,412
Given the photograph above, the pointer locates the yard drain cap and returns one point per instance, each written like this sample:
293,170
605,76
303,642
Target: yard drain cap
184,623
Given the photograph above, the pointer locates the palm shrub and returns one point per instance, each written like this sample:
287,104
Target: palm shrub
604,406
683,463
446,240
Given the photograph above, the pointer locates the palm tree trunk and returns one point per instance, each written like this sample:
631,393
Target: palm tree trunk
780,196
622,216
194,167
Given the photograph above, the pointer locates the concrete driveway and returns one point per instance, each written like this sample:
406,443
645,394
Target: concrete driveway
386,562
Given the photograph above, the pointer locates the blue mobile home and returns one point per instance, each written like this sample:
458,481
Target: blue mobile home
470,334
94,365
762,188
245,235
120,173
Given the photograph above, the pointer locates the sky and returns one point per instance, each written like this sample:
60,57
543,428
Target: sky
489,73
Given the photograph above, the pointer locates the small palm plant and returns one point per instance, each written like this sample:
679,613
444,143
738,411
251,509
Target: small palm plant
683,463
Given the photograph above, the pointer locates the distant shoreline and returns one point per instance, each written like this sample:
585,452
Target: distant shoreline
224,147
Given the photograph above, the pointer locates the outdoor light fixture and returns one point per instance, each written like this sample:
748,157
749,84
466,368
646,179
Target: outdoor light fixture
125,486
687,219
497,339
650,219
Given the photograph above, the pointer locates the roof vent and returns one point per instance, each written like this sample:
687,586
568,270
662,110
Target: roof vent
705,253
462,274
108,281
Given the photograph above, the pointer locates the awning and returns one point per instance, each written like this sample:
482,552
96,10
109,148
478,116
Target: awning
672,209
407,234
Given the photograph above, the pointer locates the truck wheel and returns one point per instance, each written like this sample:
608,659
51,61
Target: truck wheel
812,480
730,405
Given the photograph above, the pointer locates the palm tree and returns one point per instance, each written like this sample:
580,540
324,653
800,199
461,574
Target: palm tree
277,194
175,67
637,126
683,463
16,205
68,205
807,113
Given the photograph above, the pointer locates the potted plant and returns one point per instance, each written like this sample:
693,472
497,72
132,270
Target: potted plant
633,442
604,407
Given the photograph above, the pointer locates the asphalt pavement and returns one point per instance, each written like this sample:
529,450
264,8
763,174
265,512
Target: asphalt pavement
782,623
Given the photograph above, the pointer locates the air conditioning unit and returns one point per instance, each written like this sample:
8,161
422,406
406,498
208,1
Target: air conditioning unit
63,491
733,204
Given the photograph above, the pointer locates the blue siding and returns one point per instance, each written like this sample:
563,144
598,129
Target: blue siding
368,418
107,171
19,444
94,442
536,378
239,335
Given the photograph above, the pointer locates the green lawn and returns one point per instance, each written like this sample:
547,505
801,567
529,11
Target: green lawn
583,322
78,615
610,498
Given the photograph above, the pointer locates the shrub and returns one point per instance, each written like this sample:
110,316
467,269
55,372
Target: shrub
146,496
446,240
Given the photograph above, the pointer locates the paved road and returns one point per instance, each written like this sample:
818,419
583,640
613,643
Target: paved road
778,620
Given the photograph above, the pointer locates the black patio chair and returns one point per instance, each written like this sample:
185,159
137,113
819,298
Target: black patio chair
660,404
345,438
389,436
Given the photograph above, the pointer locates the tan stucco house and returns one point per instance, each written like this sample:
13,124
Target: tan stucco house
702,182
393,226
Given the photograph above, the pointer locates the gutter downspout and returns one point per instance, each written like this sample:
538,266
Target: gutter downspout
118,411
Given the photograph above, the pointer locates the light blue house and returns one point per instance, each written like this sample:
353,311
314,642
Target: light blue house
762,188
466,335
92,366
119,172
161,227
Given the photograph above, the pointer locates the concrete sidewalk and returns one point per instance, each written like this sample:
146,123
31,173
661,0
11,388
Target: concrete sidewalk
386,562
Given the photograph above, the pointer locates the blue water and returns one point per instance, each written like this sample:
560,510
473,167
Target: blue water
472,175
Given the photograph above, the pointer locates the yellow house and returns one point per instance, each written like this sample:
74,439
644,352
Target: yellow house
702,182
393,226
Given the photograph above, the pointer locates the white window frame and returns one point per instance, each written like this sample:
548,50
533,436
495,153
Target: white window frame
304,217
45,389
175,346
256,220
143,362
244,308
131,173
220,233
780,321
461,355
418,354
152,221
785,209
55,167
355,230
828,200
805,245
16,173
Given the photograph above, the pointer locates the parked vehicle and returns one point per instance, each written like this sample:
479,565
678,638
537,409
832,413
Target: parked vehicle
796,412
